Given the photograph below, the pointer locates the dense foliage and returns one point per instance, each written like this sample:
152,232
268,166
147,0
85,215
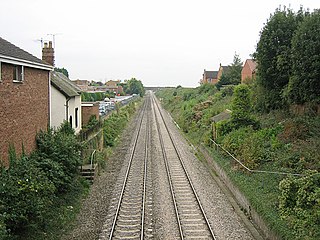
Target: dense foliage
115,123
274,59
134,86
62,70
262,131
304,84
95,96
299,204
33,186
277,141
233,75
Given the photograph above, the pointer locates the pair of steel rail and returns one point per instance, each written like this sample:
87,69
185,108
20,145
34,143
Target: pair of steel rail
150,100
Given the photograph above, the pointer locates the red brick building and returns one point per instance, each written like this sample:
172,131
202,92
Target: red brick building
24,98
222,70
89,109
209,77
248,71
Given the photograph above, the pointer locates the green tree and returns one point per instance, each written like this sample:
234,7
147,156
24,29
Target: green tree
233,75
273,55
304,85
135,86
241,105
62,70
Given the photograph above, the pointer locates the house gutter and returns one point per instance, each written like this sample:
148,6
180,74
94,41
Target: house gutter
26,63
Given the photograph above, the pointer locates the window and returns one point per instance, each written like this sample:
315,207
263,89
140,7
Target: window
70,120
18,73
76,116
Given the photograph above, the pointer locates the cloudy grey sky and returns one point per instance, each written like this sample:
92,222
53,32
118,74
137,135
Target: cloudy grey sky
161,43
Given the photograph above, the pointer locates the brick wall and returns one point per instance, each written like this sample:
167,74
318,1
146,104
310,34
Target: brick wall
24,109
87,111
246,73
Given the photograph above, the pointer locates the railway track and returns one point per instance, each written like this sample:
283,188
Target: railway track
129,210
191,218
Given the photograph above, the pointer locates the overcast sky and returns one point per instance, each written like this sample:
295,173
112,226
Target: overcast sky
161,43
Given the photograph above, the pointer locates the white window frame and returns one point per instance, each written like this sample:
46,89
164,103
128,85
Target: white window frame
18,73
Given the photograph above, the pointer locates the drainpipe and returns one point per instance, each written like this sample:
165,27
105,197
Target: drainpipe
67,108
50,102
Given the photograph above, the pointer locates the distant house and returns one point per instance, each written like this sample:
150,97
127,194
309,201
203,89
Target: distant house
24,98
82,84
65,96
114,86
112,83
209,77
248,71
65,102
222,70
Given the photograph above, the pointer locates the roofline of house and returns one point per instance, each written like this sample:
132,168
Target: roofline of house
26,63
62,91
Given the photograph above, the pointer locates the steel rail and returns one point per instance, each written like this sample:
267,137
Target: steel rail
187,175
169,177
127,173
145,177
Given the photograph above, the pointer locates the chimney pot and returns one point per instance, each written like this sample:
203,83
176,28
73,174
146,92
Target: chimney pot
48,53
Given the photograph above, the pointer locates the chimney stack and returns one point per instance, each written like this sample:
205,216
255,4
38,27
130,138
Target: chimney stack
48,53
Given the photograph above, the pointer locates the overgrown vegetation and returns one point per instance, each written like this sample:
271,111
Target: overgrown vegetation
233,75
288,59
134,86
116,122
275,141
38,191
95,96
262,132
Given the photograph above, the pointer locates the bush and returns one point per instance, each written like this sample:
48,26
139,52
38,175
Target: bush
299,204
26,194
32,184
58,154
253,147
115,123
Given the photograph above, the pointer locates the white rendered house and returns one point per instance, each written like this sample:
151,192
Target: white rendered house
65,102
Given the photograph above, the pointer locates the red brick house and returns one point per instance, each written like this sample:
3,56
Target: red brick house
209,77
248,71
24,98
222,69
114,86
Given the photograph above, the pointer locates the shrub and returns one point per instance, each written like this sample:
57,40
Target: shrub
26,194
253,147
299,204
115,123
58,154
